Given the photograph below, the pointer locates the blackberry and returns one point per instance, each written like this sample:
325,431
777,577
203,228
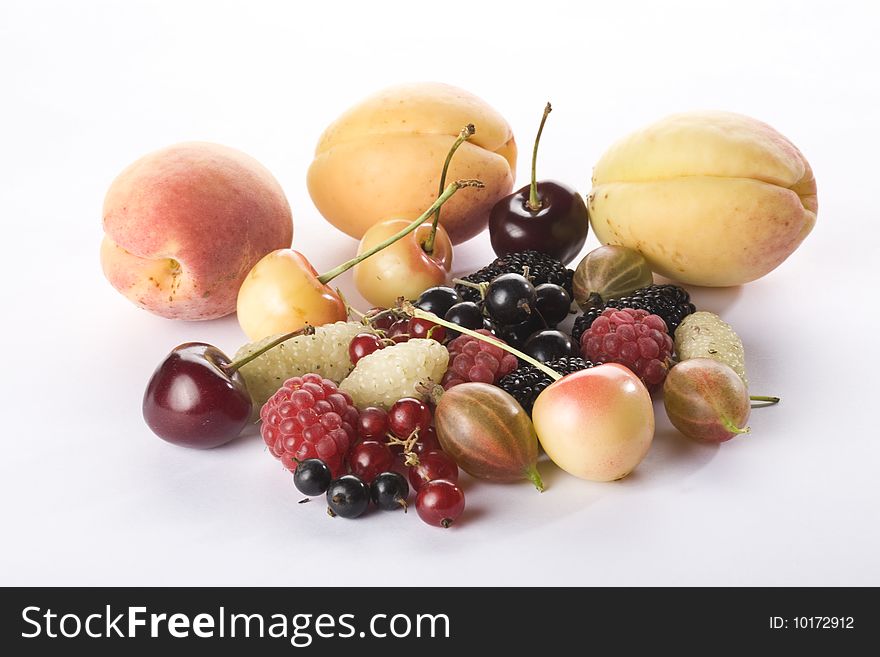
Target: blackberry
527,382
542,269
671,302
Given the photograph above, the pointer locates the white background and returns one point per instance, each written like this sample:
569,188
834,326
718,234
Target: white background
90,496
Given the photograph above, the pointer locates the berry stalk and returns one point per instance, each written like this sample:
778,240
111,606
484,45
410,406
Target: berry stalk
466,133
534,201
765,400
445,196
431,317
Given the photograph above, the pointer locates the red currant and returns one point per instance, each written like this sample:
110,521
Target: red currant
427,442
408,414
369,459
372,423
362,345
399,330
380,318
432,466
423,328
440,503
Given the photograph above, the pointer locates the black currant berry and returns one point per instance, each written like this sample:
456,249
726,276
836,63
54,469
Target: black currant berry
516,334
347,497
438,300
312,477
466,314
510,299
548,345
552,302
389,491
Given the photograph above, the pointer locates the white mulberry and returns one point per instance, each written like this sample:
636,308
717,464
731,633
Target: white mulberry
706,335
395,372
325,352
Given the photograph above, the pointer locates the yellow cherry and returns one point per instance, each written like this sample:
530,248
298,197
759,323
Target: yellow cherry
283,292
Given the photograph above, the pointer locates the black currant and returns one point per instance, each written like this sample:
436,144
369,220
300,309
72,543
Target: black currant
491,326
312,477
510,299
438,300
466,314
516,334
347,497
389,491
552,302
548,345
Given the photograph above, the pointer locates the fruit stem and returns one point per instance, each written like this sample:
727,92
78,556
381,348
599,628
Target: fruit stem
244,360
763,398
594,300
431,317
479,287
732,428
534,202
533,476
466,133
447,193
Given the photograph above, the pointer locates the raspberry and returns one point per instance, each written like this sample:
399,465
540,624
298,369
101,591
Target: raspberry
309,418
670,302
630,337
474,360
398,371
324,353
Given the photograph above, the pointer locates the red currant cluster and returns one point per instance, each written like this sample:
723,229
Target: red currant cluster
392,329
390,443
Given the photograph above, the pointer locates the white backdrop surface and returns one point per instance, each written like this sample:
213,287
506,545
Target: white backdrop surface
90,496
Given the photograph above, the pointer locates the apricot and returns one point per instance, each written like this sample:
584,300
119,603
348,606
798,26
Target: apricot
383,158
185,224
708,198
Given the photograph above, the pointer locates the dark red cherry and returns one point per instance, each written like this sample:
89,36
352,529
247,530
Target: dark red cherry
194,400
197,398
545,216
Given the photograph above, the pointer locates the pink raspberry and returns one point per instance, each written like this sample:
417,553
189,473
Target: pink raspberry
633,338
309,417
474,360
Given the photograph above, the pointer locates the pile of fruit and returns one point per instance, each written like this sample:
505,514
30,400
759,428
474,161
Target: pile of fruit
477,373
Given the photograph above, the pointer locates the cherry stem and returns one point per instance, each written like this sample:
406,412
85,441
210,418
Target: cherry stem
244,360
763,398
534,201
431,317
445,196
466,133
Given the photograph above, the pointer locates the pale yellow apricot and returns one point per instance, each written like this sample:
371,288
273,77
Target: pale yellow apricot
709,198
383,158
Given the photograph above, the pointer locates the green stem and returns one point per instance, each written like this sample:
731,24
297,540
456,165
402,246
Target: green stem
244,360
764,398
447,193
731,427
479,287
534,201
534,476
431,317
466,133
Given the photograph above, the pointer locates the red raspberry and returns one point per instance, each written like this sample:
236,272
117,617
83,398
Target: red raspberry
474,360
310,418
633,338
